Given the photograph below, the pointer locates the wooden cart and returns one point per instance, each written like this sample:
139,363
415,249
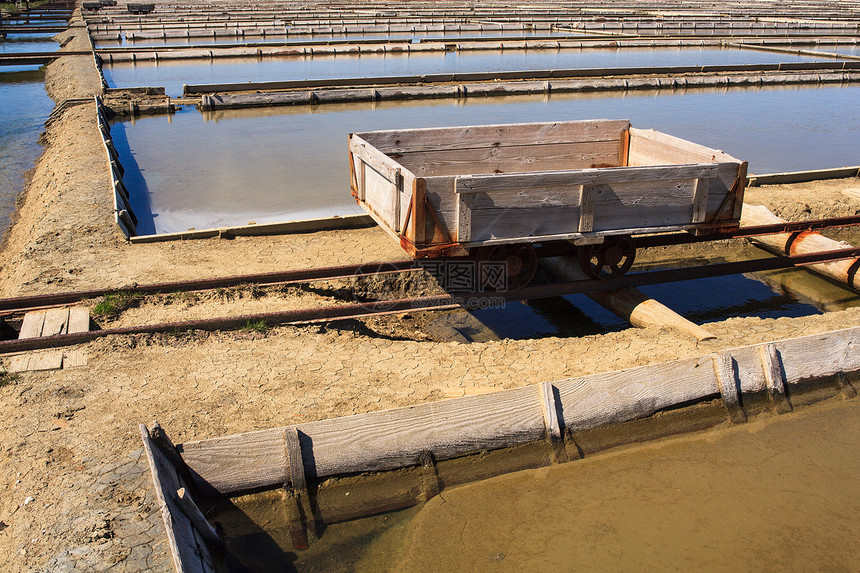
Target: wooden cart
493,191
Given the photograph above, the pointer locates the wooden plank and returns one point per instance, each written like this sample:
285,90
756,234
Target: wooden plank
503,135
511,159
586,208
514,224
649,147
79,319
725,371
198,520
374,158
546,394
624,148
48,360
700,200
31,326
773,374
379,194
292,447
464,218
74,358
642,204
190,553
491,183
393,438
56,322
361,182
615,397
738,190
419,211
19,363
395,198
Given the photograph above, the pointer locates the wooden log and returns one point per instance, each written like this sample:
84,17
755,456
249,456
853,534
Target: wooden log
627,303
844,272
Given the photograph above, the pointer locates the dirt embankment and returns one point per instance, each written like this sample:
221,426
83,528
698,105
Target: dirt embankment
75,491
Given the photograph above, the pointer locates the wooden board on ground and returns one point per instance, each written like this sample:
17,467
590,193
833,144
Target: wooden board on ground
45,360
32,325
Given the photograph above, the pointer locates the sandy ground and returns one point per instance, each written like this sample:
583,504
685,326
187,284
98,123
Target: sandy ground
75,492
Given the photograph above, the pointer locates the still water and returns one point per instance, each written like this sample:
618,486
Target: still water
769,487
173,74
777,489
25,108
224,168
700,301
18,43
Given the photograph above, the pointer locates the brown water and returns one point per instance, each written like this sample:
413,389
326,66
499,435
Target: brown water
775,494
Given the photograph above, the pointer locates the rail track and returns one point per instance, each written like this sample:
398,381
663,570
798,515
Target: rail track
12,306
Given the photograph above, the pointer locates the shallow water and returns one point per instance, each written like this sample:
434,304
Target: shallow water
26,43
25,108
700,301
173,74
774,494
230,167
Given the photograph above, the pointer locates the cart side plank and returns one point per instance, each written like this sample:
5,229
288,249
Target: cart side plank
381,194
510,159
649,147
658,173
505,135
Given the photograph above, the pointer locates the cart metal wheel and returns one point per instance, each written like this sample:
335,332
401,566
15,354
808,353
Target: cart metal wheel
608,260
520,266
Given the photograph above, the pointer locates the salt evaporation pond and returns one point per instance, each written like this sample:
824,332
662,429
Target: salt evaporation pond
172,74
232,167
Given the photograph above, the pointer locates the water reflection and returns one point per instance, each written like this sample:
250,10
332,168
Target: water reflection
173,74
276,164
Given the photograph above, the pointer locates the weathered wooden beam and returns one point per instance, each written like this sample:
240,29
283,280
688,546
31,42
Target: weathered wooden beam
631,304
392,439
844,272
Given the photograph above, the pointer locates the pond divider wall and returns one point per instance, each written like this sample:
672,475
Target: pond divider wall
570,418
520,75
514,87
123,214
803,176
405,47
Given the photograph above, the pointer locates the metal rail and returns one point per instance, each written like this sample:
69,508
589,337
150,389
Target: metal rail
441,302
556,248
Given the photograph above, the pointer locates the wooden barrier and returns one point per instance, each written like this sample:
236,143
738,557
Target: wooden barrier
287,227
193,541
124,215
803,176
392,439
507,88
